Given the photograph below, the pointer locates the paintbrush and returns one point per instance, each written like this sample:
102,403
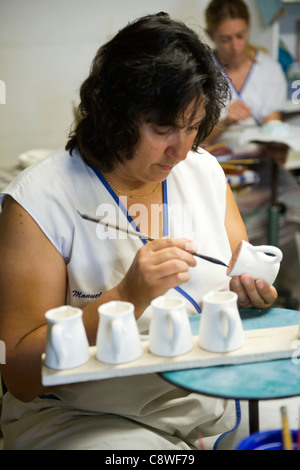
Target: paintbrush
286,433
211,148
240,161
144,237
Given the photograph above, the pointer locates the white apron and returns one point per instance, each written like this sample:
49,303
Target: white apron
141,412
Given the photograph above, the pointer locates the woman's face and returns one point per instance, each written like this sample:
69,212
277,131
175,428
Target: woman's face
160,148
231,40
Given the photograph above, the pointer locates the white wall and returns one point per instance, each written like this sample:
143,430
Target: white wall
46,48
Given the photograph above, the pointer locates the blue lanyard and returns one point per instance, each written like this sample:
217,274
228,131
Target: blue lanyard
165,224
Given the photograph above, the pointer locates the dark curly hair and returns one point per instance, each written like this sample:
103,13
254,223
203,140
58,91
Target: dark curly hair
151,71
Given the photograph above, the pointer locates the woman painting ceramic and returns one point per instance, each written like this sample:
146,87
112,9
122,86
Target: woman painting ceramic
152,96
257,82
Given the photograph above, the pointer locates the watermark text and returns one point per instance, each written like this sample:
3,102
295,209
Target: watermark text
184,220
2,92
295,98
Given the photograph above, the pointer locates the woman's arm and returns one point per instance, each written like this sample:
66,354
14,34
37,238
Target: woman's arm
236,111
274,116
32,280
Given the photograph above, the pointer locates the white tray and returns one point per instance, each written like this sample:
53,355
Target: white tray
260,345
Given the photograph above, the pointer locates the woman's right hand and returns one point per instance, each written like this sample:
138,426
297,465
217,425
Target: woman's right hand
237,111
157,267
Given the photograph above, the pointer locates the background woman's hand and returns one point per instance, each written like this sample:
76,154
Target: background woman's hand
253,293
237,111
157,267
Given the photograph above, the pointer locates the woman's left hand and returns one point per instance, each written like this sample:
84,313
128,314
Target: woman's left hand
253,293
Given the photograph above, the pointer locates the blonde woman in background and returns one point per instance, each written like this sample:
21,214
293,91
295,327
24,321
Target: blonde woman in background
257,82
258,95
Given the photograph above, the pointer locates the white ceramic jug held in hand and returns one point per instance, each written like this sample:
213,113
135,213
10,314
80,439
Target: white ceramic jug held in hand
66,342
118,338
261,262
220,327
170,332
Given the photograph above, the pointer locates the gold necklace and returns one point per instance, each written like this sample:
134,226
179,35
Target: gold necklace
131,196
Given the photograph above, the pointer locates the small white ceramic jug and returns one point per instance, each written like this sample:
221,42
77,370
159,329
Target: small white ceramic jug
66,342
170,332
261,262
220,327
118,338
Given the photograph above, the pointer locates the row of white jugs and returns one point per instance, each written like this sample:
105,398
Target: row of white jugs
118,338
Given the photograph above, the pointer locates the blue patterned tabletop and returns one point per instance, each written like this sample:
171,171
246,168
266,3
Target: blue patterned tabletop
260,380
